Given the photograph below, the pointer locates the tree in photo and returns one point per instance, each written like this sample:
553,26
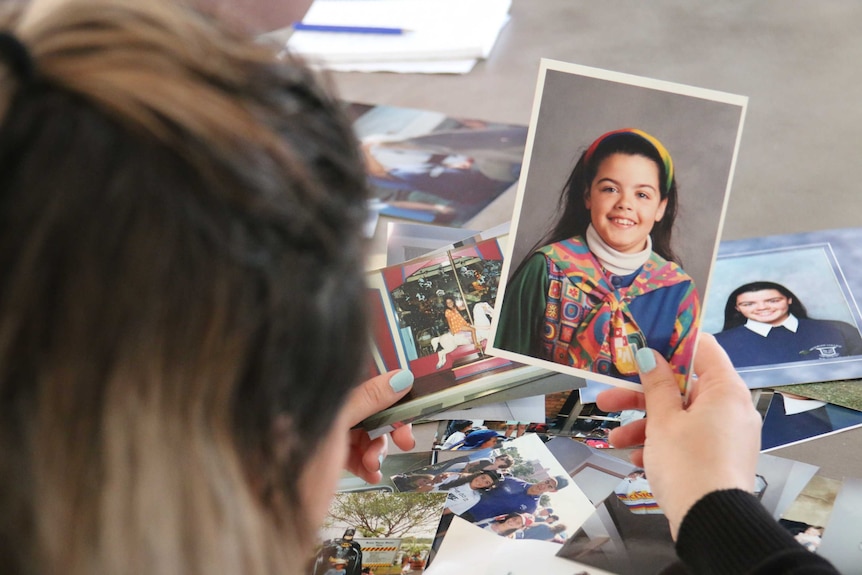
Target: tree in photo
522,468
379,514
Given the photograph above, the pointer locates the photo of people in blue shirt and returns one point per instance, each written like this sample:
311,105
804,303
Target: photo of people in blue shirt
785,308
766,323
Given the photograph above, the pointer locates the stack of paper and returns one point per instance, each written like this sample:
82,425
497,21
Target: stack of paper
438,36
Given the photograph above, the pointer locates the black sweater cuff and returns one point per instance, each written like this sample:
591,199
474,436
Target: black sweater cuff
729,532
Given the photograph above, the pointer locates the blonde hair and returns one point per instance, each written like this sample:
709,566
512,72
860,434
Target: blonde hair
179,232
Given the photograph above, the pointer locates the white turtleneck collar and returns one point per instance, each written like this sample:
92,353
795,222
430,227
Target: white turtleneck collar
616,262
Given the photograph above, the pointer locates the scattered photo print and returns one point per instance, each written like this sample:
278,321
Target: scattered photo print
386,533
841,540
784,307
846,393
427,167
487,554
432,315
517,490
791,418
807,517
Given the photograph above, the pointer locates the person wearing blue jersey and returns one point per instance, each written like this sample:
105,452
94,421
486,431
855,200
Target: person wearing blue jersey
513,495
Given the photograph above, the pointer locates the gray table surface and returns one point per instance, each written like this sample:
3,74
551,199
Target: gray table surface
796,60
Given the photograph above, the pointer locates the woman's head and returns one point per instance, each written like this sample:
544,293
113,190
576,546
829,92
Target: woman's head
462,425
509,523
624,184
480,439
449,302
478,480
763,301
484,480
179,263
504,461
413,481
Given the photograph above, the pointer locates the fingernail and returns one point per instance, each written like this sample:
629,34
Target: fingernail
380,459
401,380
645,360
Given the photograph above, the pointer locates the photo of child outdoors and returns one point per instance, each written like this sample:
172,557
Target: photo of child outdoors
378,531
517,490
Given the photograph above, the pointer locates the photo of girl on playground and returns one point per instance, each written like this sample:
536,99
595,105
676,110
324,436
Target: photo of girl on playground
617,221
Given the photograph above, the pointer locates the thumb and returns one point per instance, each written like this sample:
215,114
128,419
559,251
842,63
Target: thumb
376,394
711,359
661,390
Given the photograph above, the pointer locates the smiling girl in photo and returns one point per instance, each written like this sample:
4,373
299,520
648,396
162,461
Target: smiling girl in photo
465,490
605,281
509,524
765,323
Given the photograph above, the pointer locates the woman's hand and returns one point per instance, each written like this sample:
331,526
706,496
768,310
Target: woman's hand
687,452
366,455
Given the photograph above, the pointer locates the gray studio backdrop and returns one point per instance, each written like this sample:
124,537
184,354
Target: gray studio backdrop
700,133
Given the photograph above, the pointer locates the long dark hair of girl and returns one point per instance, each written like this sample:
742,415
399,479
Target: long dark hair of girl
574,215
468,477
502,519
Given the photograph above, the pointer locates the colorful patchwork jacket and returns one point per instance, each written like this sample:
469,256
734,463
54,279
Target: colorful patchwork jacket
563,307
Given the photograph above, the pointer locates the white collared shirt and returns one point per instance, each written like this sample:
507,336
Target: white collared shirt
760,328
793,405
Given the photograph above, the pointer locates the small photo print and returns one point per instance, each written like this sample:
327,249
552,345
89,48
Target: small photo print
844,392
432,315
427,167
627,533
617,540
791,418
377,532
484,552
807,517
784,307
616,223
842,531
517,490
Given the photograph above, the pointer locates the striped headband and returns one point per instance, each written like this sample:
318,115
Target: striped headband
659,147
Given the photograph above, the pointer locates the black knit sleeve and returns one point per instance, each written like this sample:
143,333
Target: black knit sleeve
729,532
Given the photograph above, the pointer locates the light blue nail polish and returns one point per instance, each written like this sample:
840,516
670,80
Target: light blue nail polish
401,380
380,459
645,360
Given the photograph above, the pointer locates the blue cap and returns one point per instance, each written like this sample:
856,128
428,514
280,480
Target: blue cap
478,437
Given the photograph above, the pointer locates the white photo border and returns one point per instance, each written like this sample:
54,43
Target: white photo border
560,129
